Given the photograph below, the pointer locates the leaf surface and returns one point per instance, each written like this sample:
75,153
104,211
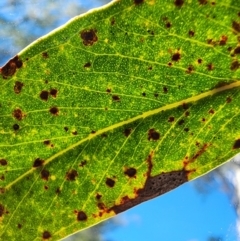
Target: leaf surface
118,106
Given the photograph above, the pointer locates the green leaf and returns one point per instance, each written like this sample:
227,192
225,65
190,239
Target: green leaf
118,106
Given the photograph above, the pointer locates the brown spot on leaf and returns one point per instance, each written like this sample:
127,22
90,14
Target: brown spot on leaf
223,40
2,210
38,162
127,132
54,110
87,65
165,90
202,2
46,235
81,216
137,2
156,95
153,135
171,119
180,122
211,111
16,127
191,33
58,191
185,106
179,3
108,90
18,114
47,142
168,25
45,55
237,50
3,162
110,182
234,65
236,26
83,163
74,133
186,129
71,175
229,99
53,93
144,94
10,67
18,87
19,225
89,37
130,172
66,128
98,196
236,144
210,66
45,174
116,98
190,69
112,21
176,57
44,95
187,113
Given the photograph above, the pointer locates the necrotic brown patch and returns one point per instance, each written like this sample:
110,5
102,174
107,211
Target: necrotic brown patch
137,2
176,57
110,182
89,37
223,40
71,175
171,119
3,162
45,174
54,110
179,3
18,114
1,210
165,90
83,163
87,65
234,65
191,33
16,127
53,93
130,172
98,196
236,26
46,235
44,95
211,111
180,122
45,55
190,69
116,98
81,216
237,50
236,144
18,87
19,225
10,67
127,132
210,67
38,162
153,135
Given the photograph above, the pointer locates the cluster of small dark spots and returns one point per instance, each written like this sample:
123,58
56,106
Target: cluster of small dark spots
165,90
199,61
83,163
108,90
176,57
191,33
115,98
45,174
210,66
235,65
144,94
202,2
190,69
153,135
171,119
54,110
156,95
236,144
38,162
98,196
71,175
81,216
211,111
46,235
186,129
10,67
137,2
237,50
87,65
18,114
179,3
18,87
16,127
45,55
180,122
1,210
110,182
19,225
223,40
53,93
66,128
236,26
44,95
127,132
89,37
130,172
229,99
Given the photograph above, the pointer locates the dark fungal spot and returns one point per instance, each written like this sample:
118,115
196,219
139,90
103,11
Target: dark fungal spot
143,94
47,142
81,216
171,119
168,25
236,26
112,21
10,67
153,135
156,95
236,144
93,132
54,110
211,111
237,50
3,162
165,90
87,65
45,187
229,99
179,3
45,174
151,32
176,57
185,106
127,132
186,129
89,37
116,98
74,133
203,119
53,93
199,61
19,225
180,122
187,113
16,127
130,172
110,182
108,90
83,163
1,210
210,67
202,2
191,33
18,114
137,2
38,162
46,235
58,191
66,128
44,95
170,64
45,55
150,68
190,69
223,40
234,65
18,87
71,175
98,196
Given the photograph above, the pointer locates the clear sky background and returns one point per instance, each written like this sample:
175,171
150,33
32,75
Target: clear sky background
180,215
